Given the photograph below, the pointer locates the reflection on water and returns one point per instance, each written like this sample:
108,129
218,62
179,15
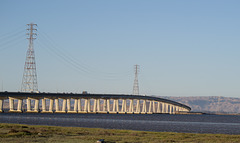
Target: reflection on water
157,122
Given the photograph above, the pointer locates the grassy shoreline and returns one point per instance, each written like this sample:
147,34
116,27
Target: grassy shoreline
36,133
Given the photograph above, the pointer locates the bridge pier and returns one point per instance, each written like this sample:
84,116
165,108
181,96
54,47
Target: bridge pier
80,109
36,107
137,107
85,106
64,105
115,107
79,105
50,108
158,107
104,107
57,109
174,109
144,107
94,106
1,105
98,106
29,107
130,111
177,109
170,110
11,103
75,105
124,105
56,105
43,105
167,108
19,107
108,105
69,106
150,108
88,105
154,108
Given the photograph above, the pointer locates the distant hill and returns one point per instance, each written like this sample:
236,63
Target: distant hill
210,104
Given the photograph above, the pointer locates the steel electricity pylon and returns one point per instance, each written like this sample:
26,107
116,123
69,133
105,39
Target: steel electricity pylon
29,80
135,85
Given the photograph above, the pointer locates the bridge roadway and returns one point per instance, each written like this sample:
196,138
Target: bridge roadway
88,103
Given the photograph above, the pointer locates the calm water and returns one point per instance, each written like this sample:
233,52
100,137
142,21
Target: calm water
222,124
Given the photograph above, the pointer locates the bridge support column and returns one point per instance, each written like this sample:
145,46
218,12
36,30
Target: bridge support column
137,111
36,107
177,108
108,105
79,106
114,105
170,109
158,107
68,105
144,107
1,105
105,105
174,109
75,105
181,109
130,111
85,105
163,107
43,105
56,105
88,105
150,108
51,106
98,105
123,106
19,108
94,106
117,106
28,105
64,105
11,103
167,108
154,109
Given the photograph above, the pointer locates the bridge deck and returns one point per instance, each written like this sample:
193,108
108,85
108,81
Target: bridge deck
5,95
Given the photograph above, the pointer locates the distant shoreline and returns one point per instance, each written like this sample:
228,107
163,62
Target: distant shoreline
203,113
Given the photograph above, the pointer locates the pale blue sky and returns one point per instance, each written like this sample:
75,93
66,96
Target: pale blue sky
184,48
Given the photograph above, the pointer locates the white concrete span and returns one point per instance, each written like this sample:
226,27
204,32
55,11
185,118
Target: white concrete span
88,103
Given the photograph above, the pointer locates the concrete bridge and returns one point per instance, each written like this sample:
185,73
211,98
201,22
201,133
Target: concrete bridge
88,103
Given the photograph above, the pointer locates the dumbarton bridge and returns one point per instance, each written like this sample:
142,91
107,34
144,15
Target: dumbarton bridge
40,102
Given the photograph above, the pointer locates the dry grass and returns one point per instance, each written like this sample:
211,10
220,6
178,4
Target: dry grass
26,133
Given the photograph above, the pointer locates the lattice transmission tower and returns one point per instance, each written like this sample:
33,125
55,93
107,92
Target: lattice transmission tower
29,80
135,85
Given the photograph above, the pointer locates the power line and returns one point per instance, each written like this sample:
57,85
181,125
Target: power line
79,66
